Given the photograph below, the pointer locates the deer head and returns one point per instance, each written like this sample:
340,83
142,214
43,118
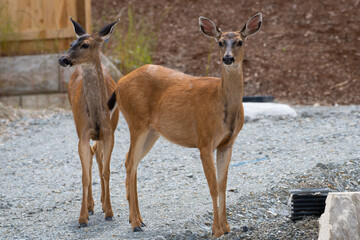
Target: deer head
231,43
85,48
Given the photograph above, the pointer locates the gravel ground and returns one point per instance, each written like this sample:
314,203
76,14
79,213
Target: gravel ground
40,178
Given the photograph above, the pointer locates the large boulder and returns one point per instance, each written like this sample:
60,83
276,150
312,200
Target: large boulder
38,81
29,74
341,219
36,74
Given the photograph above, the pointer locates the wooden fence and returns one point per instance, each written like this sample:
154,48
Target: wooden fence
40,26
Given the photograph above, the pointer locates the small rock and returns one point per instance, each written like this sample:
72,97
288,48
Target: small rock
321,165
234,190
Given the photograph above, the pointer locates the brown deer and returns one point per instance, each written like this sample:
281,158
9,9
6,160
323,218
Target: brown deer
89,89
196,112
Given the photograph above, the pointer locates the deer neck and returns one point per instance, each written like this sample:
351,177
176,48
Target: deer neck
94,88
232,85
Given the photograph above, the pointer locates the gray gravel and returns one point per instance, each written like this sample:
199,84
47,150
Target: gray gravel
40,178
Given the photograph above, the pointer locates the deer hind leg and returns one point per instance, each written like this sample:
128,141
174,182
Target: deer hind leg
207,160
108,144
99,156
141,143
85,158
223,157
90,199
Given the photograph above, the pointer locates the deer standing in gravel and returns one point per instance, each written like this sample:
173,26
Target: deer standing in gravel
196,112
89,89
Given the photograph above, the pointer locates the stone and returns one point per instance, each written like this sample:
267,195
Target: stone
254,111
66,72
111,68
14,101
36,74
7,113
29,74
341,219
32,77
321,165
56,100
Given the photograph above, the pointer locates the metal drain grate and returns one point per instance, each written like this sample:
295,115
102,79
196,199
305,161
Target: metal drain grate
308,202
258,99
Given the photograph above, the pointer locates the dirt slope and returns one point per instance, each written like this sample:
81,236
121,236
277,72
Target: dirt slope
306,52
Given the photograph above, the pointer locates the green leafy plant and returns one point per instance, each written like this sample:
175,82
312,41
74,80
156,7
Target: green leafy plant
135,45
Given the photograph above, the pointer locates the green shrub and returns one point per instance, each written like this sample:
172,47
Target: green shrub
134,46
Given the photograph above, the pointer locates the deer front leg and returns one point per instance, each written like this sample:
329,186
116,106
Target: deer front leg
99,156
207,160
85,158
90,203
223,157
108,147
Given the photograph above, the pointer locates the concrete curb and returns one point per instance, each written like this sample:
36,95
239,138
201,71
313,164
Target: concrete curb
37,81
256,111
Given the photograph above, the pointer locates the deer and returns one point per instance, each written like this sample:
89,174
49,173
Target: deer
195,112
89,89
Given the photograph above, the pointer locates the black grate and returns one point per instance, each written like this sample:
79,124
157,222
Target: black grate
258,99
308,202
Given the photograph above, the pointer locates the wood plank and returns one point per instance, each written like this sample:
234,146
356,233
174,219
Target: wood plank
70,11
49,14
87,19
82,15
23,17
61,15
41,34
41,25
36,47
36,15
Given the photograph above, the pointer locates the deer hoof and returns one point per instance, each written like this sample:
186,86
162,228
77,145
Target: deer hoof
143,224
108,218
91,212
82,225
137,229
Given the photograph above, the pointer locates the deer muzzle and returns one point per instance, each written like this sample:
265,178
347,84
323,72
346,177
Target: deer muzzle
228,59
65,61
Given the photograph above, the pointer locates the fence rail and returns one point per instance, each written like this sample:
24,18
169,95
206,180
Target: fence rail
40,26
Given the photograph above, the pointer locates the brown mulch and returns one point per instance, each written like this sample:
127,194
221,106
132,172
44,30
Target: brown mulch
307,52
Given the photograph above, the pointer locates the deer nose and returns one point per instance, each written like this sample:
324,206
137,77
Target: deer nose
227,59
64,61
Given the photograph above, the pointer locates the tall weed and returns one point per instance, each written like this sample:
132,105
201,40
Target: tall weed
134,46
136,41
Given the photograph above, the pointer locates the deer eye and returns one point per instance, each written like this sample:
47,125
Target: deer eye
221,44
85,45
239,43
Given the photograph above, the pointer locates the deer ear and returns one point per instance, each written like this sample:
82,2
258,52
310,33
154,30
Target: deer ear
78,29
252,26
209,28
106,31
